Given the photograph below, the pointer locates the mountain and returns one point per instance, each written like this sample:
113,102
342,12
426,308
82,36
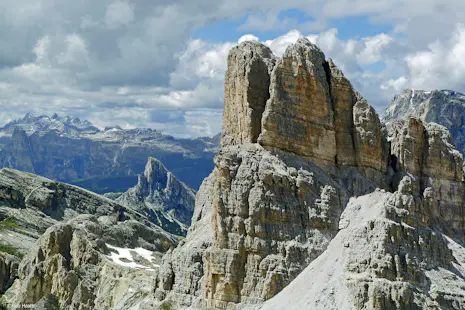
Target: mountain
378,261
445,107
161,198
45,224
108,160
313,203
69,126
307,181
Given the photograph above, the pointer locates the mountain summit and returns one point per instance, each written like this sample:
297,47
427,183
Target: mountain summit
313,203
444,107
162,198
306,180
42,124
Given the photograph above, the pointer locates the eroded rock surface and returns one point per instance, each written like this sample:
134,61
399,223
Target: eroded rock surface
162,198
91,263
246,90
276,200
444,107
296,211
377,261
30,204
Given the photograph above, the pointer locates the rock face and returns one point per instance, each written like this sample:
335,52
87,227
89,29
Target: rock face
8,270
91,263
314,112
273,210
427,152
271,217
30,204
246,90
161,198
290,160
444,107
295,214
377,261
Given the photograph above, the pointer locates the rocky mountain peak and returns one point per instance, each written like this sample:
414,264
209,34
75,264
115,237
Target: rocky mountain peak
444,107
43,124
313,202
299,145
299,103
161,197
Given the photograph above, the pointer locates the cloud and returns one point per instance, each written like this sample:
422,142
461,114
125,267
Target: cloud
121,61
247,37
118,14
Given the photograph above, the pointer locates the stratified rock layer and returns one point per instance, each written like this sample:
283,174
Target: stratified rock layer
277,191
377,261
33,212
314,112
299,144
444,107
163,199
246,90
299,116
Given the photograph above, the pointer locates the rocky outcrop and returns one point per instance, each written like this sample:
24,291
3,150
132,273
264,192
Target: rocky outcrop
377,261
180,282
299,116
30,204
91,263
314,112
246,90
444,107
271,217
8,270
426,152
277,202
163,199
277,191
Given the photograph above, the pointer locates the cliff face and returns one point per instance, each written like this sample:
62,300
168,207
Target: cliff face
159,195
277,202
444,107
298,142
378,261
54,239
312,203
302,104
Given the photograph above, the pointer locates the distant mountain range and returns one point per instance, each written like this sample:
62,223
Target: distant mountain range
102,160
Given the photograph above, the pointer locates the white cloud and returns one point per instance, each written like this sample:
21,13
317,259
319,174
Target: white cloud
373,48
279,44
118,61
442,65
118,14
247,37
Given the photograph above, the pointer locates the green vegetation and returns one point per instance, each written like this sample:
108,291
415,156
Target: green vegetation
9,223
10,250
166,306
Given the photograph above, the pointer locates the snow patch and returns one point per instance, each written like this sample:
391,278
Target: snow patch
125,254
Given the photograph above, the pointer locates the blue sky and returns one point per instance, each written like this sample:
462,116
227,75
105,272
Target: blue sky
161,64
348,27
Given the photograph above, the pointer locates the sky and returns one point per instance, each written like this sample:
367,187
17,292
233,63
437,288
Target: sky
161,64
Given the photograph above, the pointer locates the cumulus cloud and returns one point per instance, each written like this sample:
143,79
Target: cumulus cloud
134,63
247,37
118,14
